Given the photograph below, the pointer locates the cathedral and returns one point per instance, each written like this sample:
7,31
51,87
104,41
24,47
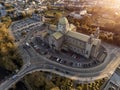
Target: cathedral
65,37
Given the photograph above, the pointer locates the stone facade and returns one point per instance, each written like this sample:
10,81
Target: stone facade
66,37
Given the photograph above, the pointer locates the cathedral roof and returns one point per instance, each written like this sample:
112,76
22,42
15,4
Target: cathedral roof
57,35
52,27
81,37
78,36
63,20
72,26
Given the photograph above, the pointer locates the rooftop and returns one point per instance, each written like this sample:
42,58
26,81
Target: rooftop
63,20
52,27
57,35
78,36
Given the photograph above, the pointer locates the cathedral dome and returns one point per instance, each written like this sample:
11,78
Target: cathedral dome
63,20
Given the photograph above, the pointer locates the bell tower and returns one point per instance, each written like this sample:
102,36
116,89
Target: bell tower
96,34
89,46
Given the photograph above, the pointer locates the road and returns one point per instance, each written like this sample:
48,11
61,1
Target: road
36,62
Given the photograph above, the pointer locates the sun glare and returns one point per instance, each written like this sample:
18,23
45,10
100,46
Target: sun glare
115,4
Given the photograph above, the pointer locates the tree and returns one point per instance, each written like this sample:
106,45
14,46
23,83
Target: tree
56,18
55,88
24,14
7,48
49,6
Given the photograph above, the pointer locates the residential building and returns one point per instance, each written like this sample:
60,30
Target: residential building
2,10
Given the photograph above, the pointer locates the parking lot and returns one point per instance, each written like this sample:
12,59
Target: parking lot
23,23
21,34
